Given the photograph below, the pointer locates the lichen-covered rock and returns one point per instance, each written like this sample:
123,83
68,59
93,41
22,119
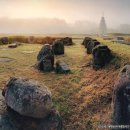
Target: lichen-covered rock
121,98
45,65
45,59
62,67
86,41
45,51
101,56
91,44
58,47
67,41
11,120
28,98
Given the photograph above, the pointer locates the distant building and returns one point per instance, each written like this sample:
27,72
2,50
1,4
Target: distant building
102,27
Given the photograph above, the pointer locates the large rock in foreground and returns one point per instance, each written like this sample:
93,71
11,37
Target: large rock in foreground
11,120
45,59
28,98
101,56
58,47
62,67
121,98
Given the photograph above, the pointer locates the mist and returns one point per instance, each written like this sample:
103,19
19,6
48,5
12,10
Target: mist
45,26
63,16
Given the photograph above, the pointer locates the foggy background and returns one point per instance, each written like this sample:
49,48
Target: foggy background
63,16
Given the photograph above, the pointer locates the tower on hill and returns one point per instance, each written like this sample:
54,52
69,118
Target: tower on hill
102,26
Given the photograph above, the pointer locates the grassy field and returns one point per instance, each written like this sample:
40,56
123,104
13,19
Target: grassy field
82,97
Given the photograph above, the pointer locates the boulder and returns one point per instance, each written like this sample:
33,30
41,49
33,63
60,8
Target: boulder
45,59
86,41
62,67
101,56
45,50
91,44
45,65
11,120
28,98
4,40
67,41
58,47
121,98
13,45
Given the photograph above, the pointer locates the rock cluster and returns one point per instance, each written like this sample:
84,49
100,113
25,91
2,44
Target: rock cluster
101,53
29,107
45,58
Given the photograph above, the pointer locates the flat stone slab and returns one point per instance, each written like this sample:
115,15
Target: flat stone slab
5,59
62,67
13,45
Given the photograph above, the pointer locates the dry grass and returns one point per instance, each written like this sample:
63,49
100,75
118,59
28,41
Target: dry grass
31,39
84,96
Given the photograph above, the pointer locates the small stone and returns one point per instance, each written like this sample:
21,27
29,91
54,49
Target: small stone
14,45
62,67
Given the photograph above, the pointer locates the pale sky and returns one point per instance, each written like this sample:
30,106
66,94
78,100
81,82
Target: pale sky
116,12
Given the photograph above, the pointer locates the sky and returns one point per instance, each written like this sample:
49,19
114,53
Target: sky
69,12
